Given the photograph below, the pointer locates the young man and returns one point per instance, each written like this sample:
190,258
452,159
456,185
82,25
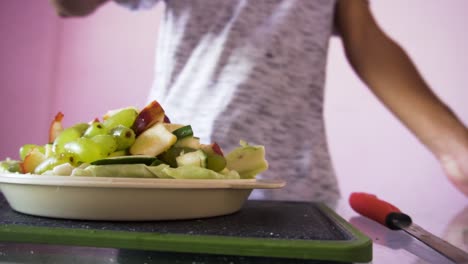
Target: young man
255,70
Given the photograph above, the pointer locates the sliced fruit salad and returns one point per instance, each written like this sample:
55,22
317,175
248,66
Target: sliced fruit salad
128,142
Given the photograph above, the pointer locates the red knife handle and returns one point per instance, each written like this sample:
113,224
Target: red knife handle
372,207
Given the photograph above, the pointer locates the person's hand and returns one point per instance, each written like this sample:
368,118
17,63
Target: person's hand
455,164
67,8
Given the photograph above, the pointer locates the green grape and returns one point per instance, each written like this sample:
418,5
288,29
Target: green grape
215,162
52,161
107,143
81,127
124,136
96,128
68,135
125,117
84,149
25,149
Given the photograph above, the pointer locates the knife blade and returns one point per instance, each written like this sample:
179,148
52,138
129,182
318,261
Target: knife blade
390,216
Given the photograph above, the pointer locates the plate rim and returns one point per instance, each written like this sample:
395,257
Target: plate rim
143,183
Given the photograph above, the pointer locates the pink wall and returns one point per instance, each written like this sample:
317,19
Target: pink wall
105,62
84,67
27,45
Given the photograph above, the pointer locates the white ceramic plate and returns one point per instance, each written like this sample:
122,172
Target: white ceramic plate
127,199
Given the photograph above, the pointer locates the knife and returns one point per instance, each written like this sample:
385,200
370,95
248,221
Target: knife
390,216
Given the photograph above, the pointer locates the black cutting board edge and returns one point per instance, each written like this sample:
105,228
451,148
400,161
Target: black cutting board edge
261,228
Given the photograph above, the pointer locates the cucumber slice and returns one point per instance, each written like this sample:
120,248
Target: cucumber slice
157,162
134,159
195,158
185,131
169,156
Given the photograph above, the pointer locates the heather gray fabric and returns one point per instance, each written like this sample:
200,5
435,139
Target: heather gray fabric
252,70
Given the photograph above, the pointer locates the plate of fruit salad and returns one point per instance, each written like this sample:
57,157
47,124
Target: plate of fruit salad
131,164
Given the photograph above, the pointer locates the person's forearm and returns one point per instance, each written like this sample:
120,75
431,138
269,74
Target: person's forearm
390,74
73,8
393,78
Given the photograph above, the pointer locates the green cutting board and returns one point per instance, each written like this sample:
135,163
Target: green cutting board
294,230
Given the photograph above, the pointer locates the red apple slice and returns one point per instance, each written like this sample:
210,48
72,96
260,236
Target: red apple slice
217,149
212,149
148,116
55,127
32,160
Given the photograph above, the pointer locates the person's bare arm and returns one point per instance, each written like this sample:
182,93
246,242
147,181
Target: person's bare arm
388,71
76,8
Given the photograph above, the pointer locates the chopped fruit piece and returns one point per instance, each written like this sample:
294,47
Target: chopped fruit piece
148,116
189,142
212,149
215,159
169,156
32,160
125,117
55,127
153,141
172,127
217,149
247,160
195,158
115,111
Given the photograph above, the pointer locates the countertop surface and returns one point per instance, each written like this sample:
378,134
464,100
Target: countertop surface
391,246
449,221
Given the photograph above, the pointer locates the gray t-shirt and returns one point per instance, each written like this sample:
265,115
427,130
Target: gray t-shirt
252,70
